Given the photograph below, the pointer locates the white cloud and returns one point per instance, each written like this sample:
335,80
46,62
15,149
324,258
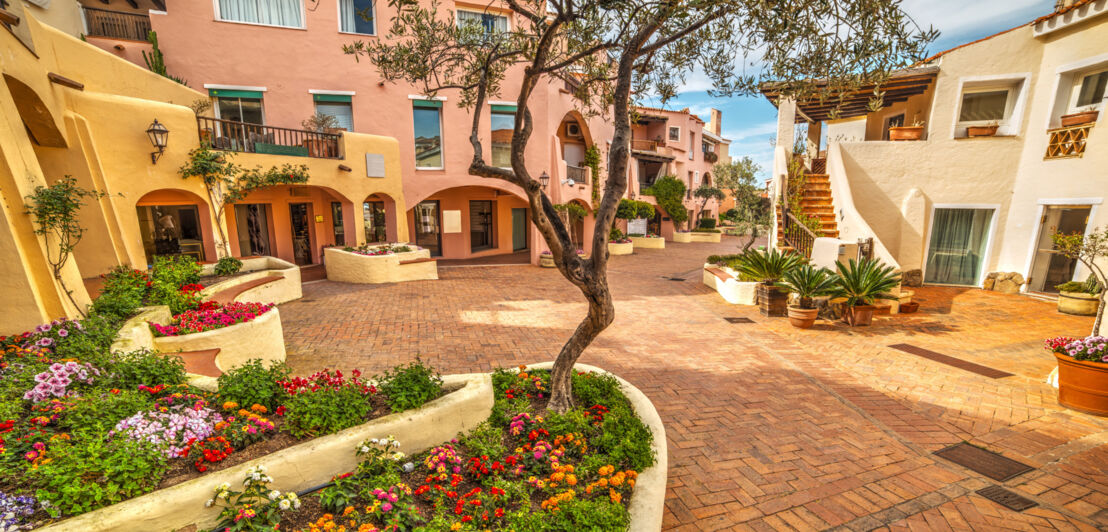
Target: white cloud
762,129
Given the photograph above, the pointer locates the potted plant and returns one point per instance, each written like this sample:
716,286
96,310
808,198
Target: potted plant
912,132
768,267
618,243
1082,373
1079,299
1083,115
860,284
319,146
987,130
807,283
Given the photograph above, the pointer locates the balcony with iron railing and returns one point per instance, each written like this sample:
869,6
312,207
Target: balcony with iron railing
245,137
116,24
577,174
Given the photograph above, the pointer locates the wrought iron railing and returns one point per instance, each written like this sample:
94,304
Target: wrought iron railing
797,235
117,25
255,138
1067,142
577,174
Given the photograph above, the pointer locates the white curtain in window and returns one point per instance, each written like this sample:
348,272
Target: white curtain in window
273,12
353,16
957,250
491,23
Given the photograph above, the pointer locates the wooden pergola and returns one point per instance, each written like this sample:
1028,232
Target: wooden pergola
900,86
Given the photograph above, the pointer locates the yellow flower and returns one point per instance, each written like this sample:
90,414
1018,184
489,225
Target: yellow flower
456,526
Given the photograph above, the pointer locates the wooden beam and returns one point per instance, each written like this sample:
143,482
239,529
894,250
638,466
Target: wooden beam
159,4
105,1
9,18
65,82
133,4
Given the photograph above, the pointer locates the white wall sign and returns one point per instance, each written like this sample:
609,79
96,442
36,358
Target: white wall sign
374,165
636,226
451,221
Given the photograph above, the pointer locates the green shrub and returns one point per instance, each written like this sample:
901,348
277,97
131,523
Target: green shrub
485,439
11,409
411,386
325,410
705,230
707,223
91,473
624,438
151,368
96,414
123,293
167,276
575,514
768,266
228,266
864,282
669,192
254,383
1090,286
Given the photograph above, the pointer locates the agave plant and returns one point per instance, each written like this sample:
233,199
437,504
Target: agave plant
865,281
808,283
768,266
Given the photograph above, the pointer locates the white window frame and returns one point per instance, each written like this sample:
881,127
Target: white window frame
1075,89
995,207
1014,107
1063,94
338,20
506,18
302,27
692,146
669,138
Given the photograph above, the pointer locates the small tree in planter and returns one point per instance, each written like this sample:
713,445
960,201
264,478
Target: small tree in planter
633,210
227,183
706,193
751,212
55,212
669,192
1090,250
768,267
807,283
862,284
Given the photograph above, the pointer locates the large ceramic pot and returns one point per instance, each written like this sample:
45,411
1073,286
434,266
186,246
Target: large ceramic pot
906,133
1078,303
1082,385
803,318
858,315
772,301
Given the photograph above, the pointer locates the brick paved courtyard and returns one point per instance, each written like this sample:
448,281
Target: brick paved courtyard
769,427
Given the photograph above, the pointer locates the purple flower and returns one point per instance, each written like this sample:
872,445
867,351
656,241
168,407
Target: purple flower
45,342
63,333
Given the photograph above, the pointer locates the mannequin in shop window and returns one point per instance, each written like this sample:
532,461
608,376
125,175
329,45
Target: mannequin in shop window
166,237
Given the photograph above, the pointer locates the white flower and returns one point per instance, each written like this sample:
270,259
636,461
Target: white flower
224,487
209,503
273,495
284,505
396,444
365,449
296,504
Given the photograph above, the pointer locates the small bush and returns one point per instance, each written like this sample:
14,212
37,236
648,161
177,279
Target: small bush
707,223
228,266
325,410
85,475
411,386
129,370
254,383
96,414
167,277
485,439
123,293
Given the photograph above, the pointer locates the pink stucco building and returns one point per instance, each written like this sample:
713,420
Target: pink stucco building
267,65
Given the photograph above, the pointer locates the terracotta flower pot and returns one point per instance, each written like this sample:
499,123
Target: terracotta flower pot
909,307
1082,385
858,315
803,318
1078,303
1077,119
771,301
981,131
906,133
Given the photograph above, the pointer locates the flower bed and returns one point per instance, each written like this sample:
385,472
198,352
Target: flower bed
697,235
598,467
621,246
287,288
379,264
210,317
649,241
259,338
80,434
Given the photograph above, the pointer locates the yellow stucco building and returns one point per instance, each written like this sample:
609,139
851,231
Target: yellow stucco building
68,108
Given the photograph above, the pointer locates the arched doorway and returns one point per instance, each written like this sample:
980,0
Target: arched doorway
470,221
175,222
379,218
575,140
291,222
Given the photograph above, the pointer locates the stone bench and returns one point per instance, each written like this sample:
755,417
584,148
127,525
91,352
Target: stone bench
722,275
228,295
729,287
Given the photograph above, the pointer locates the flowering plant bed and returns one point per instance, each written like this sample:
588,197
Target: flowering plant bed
648,241
210,317
376,250
522,469
77,435
387,263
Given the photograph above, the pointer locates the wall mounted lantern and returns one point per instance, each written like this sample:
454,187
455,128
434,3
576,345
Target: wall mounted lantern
159,136
544,179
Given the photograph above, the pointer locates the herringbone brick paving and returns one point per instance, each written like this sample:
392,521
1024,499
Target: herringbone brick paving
769,427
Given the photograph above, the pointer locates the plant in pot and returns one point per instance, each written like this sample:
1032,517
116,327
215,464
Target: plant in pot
320,123
1090,250
807,283
912,132
1079,298
861,284
1082,373
768,267
1081,116
986,130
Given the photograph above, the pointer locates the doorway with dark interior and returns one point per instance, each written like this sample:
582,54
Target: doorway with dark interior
480,225
300,221
1048,267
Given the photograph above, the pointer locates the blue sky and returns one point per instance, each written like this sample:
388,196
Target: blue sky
750,122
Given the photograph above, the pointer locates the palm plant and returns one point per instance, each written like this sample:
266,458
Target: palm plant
768,266
864,282
808,283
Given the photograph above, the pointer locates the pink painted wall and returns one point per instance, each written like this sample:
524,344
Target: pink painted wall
280,223
458,245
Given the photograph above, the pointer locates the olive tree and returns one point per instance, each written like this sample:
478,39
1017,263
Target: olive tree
1090,250
740,179
612,51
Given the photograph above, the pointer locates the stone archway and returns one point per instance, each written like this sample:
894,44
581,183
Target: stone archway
175,222
379,217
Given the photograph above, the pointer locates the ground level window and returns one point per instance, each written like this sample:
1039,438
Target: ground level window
373,214
959,239
171,230
480,225
253,228
428,227
336,223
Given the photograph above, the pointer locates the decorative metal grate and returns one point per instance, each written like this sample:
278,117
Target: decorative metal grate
1006,498
992,465
1067,142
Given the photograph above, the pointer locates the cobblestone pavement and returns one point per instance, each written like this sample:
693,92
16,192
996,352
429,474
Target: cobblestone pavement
769,427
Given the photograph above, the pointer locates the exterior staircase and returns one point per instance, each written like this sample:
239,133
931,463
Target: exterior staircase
815,200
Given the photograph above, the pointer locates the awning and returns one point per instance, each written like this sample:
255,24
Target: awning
900,86
651,156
